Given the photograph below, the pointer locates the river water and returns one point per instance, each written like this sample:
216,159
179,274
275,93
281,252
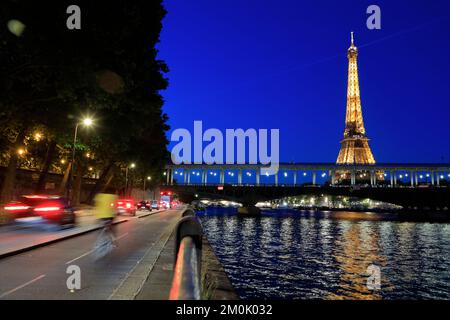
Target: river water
288,254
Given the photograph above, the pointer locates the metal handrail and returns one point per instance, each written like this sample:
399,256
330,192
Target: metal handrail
186,279
188,212
186,282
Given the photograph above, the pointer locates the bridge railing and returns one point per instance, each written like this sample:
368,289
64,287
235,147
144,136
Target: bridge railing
384,184
186,283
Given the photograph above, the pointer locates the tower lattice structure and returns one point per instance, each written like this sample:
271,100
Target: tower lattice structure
355,147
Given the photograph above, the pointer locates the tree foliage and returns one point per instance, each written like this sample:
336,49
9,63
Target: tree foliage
51,77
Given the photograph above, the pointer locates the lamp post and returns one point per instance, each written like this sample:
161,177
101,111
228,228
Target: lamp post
126,177
148,178
87,122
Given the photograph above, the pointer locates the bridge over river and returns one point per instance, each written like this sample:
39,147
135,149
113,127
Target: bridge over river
415,186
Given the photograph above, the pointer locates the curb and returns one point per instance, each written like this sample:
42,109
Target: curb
148,214
135,280
43,244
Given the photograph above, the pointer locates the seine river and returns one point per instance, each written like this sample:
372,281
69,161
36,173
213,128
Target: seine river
287,254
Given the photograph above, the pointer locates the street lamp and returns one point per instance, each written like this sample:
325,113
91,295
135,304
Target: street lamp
148,178
37,136
132,165
87,122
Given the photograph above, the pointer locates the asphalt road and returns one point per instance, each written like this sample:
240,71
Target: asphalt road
41,273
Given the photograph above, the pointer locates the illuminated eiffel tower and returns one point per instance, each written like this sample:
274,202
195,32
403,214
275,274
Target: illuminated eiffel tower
355,145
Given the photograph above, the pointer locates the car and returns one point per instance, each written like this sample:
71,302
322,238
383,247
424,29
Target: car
163,205
144,205
154,204
174,204
42,209
126,206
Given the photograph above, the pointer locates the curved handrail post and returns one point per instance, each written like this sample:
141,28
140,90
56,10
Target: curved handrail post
186,283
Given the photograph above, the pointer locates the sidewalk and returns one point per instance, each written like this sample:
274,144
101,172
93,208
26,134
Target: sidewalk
84,211
215,283
15,239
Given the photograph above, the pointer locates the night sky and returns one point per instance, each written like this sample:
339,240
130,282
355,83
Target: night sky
282,64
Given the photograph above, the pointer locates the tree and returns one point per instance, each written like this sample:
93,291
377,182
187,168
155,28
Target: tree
51,75
38,85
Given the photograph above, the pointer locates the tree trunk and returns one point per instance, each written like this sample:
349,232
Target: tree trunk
46,166
62,187
77,186
99,184
10,177
106,185
7,193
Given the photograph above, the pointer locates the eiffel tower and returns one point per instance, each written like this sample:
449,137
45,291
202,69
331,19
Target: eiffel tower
355,147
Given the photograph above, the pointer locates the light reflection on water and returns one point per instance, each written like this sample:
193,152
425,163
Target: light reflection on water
287,254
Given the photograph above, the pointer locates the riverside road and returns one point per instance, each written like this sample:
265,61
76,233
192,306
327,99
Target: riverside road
41,273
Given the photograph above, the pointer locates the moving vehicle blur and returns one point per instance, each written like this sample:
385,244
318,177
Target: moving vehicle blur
166,198
155,204
47,209
163,205
126,206
175,204
144,205
105,208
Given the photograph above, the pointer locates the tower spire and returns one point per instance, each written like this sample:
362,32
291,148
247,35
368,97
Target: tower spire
355,147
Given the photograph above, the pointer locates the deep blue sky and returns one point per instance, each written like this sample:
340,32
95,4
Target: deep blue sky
282,64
